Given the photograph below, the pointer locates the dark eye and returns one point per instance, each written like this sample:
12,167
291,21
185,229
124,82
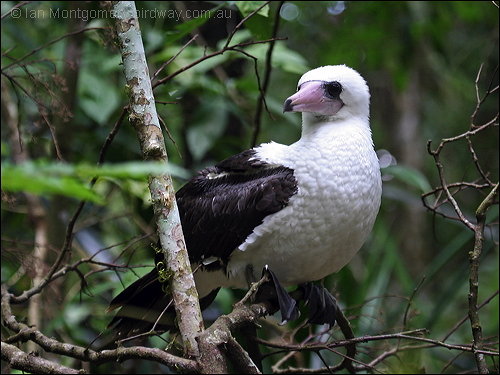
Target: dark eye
333,89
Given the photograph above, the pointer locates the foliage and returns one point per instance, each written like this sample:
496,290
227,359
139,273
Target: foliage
420,59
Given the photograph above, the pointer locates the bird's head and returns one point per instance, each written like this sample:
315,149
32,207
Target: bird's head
330,93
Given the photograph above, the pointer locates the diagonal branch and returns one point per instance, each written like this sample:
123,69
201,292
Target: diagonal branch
144,118
39,48
20,360
25,333
250,15
233,47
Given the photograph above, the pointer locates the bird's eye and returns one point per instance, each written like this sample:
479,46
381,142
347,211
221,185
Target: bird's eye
333,89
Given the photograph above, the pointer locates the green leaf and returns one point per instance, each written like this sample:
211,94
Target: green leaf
247,7
260,27
258,24
208,126
72,180
98,97
410,176
134,170
283,57
26,178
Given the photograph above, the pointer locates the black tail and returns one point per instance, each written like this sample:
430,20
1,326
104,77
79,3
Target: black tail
141,304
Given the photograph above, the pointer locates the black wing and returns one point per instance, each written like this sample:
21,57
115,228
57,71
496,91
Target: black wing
219,208
222,205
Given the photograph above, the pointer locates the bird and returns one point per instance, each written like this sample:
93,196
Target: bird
297,212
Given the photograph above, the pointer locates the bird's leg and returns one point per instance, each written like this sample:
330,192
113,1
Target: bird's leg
323,306
272,291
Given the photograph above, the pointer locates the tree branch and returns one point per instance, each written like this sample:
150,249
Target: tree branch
234,47
54,271
39,48
33,364
479,226
250,15
144,118
364,339
474,256
25,333
217,339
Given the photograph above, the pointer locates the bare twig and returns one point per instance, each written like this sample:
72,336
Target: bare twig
250,15
489,91
18,5
33,364
165,64
39,48
474,256
464,319
209,56
363,339
479,226
444,185
84,354
267,76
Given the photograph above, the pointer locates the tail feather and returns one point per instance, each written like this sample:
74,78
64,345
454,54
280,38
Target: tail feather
133,290
140,306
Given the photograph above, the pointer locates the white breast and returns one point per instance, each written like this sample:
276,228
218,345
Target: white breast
330,217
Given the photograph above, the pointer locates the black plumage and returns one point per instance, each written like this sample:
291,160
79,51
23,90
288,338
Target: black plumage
219,208
222,205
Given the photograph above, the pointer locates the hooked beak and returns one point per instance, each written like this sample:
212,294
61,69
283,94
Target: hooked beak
311,98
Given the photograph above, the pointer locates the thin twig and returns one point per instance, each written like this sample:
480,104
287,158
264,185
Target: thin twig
479,226
84,354
68,239
39,48
209,56
165,64
267,77
250,15
464,319
474,256
18,5
364,339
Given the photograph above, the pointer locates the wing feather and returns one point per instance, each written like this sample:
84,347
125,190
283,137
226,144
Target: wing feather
222,205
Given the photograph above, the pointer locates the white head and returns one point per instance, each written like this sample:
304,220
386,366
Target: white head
330,93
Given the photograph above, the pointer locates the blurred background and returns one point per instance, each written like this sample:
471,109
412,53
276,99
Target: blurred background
421,61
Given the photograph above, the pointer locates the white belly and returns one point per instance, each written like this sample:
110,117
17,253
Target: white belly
325,223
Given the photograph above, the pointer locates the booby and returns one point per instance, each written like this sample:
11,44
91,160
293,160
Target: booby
300,211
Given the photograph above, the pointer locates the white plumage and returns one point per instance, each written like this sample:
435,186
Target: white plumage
338,198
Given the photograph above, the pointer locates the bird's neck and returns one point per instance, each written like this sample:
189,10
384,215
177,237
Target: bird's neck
316,127
321,132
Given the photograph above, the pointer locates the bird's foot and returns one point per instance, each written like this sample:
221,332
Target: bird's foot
287,305
322,305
